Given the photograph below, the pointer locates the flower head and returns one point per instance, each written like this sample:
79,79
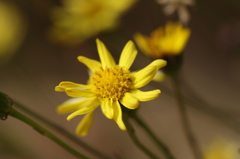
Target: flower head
5,106
12,30
165,41
110,86
222,149
78,20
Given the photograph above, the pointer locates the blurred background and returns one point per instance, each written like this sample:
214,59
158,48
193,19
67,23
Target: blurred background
35,56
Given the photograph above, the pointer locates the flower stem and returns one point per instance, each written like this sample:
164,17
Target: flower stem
14,113
195,102
64,132
131,133
184,120
163,148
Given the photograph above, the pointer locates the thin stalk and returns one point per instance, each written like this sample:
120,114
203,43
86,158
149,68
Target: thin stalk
14,113
209,109
162,147
73,138
131,133
185,121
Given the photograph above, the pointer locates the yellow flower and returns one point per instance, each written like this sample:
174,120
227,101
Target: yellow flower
12,30
165,41
221,149
109,85
78,20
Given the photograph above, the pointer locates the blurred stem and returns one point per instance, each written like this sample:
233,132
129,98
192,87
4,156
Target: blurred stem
14,113
15,150
63,132
200,105
163,148
184,119
131,133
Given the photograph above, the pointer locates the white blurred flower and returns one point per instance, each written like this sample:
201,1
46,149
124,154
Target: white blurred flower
179,6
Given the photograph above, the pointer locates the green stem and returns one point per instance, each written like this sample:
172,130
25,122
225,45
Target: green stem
184,120
163,148
64,132
14,113
131,133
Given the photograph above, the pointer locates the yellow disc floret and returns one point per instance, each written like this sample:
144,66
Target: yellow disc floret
111,82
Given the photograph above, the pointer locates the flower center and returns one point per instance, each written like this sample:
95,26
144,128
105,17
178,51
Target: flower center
111,82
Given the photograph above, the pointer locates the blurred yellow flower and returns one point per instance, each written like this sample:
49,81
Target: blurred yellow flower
222,149
78,20
109,85
165,41
12,30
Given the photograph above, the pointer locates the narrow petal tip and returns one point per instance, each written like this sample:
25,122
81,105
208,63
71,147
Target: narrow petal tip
70,117
105,56
59,110
159,63
128,55
92,64
145,96
80,58
59,89
98,41
85,125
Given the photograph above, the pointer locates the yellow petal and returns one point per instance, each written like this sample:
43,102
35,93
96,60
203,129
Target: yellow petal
84,110
181,40
93,65
128,55
142,43
175,38
59,89
107,108
66,84
74,104
160,76
129,101
118,115
105,57
159,63
145,96
144,76
77,92
85,124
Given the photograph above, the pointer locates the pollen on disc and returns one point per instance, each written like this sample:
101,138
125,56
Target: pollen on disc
111,82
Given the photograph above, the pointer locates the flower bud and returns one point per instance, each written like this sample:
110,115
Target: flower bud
5,106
